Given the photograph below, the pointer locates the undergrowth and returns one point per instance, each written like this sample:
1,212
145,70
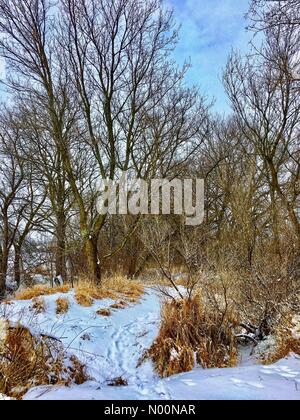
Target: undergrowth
189,334
28,361
86,292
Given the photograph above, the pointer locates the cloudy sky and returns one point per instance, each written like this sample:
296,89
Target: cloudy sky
210,29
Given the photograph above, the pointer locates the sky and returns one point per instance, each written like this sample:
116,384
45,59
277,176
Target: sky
210,29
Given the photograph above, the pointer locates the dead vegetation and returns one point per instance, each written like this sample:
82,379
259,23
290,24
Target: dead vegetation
118,382
287,339
190,332
38,305
41,290
86,292
27,361
104,312
119,305
116,287
62,306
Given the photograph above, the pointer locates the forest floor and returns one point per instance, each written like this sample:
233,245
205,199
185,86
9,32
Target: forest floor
112,346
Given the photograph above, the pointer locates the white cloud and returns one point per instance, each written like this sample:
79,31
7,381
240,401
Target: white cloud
210,29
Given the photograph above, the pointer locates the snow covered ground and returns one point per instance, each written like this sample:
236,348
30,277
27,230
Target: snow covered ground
111,347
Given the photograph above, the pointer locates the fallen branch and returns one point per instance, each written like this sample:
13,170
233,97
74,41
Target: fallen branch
247,337
49,337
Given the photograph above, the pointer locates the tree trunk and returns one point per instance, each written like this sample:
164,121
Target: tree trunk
17,265
60,258
3,272
289,207
93,263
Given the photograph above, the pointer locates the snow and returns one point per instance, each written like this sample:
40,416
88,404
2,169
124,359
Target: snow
2,68
296,328
4,398
111,347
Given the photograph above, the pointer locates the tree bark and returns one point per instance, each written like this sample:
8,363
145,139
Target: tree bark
17,265
4,254
60,259
93,263
3,272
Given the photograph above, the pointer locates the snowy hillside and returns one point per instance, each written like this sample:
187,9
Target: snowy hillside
111,347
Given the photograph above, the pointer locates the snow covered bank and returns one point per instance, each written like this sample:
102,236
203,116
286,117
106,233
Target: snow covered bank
111,347
278,382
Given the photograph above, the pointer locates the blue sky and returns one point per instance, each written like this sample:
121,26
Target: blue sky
210,29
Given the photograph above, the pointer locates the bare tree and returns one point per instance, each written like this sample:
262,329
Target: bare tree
265,99
21,198
132,99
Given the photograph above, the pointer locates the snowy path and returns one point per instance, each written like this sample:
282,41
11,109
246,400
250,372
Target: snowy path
111,347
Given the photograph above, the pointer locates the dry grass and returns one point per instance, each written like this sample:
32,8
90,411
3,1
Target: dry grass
286,343
40,290
131,290
118,382
62,306
39,305
188,332
104,312
86,292
119,305
28,361
84,300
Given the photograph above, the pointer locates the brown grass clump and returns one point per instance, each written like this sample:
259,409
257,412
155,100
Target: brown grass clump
40,290
39,306
129,289
62,306
118,382
188,333
112,288
84,300
77,371
119,305
86,292
28,361
104,312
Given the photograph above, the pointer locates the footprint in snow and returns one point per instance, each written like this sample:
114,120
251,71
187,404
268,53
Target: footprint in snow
241,384
189,382
283,371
